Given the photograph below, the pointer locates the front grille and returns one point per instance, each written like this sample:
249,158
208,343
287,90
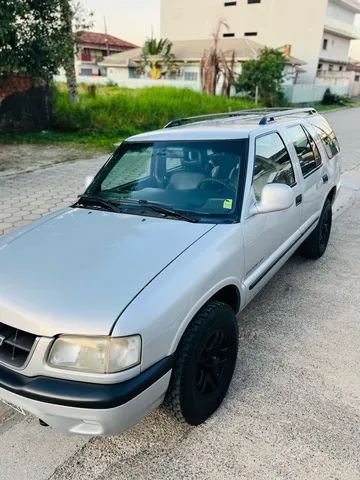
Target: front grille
15,345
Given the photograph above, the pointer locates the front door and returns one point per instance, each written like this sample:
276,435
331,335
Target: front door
268,236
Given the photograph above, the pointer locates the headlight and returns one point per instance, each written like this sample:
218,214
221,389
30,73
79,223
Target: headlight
95,354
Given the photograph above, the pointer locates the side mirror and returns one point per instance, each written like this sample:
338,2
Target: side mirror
275,197
88,180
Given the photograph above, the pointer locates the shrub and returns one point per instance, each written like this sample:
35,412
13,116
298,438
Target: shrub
91,90
334,99
266,74
124,111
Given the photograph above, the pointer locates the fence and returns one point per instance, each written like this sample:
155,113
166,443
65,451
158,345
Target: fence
307,93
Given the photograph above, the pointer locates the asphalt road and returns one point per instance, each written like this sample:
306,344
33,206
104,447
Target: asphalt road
293,410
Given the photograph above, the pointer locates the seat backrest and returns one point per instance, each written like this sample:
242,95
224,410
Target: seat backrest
223,165
186,180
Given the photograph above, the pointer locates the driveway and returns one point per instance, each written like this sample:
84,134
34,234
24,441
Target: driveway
293,410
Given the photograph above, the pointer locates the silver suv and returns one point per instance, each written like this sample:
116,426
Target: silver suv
128,298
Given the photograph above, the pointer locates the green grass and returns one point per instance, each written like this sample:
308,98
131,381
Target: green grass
129,111
114,113
98,121
87,141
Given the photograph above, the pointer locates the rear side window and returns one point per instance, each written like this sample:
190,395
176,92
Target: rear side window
272,163
306,149
327,135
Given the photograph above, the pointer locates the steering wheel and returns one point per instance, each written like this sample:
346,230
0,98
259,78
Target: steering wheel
215,185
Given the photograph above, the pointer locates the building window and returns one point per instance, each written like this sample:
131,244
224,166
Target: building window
250,34
191,76
357,78
320,66
331,68
254,1
325,43
341,68
227,35
229,4
133,72
86,72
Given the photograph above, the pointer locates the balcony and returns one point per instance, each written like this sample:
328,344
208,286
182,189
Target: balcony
346,30
89,57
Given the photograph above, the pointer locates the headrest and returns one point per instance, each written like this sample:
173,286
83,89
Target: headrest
192,159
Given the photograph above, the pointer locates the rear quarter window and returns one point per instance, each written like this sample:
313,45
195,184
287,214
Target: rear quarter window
327,135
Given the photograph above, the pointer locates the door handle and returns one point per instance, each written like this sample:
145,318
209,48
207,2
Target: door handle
298,200
325,178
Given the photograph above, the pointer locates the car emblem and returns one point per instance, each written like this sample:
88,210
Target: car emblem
2,338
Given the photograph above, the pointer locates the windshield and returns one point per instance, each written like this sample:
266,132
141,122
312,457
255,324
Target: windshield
202,178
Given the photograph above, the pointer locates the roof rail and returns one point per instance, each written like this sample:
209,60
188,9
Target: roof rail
266,114
271,117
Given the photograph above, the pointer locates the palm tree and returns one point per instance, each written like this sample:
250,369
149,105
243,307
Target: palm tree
214,63
157,58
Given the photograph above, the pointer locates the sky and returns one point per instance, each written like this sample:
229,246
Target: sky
131,20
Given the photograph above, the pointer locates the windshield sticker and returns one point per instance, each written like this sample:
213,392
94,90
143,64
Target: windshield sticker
228,204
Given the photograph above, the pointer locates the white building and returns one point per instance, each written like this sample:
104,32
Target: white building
123,68
93,47
319,31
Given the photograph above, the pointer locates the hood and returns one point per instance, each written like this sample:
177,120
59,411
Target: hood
77,271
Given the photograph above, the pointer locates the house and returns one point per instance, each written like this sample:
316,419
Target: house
319,31
123,68
353,69
93,47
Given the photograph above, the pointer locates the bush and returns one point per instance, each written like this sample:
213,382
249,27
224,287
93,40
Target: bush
266,74
123,112
333,99
91,90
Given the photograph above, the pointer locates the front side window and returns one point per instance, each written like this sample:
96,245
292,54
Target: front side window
306,149
202,178
272,163
327,135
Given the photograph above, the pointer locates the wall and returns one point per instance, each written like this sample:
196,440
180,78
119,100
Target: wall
277,22
312,93
333,78
340,13
337,48
354,84
96,80
24,105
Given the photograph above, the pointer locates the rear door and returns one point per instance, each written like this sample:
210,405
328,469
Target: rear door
315,175
268,236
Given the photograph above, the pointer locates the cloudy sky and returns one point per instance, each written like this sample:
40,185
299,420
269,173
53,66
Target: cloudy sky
131,20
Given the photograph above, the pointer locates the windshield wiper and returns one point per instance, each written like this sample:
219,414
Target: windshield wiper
93,200
167,211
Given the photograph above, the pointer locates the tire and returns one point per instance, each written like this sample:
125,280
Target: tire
204,364
315,245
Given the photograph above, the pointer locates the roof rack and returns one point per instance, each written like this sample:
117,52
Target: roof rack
267,115
271,117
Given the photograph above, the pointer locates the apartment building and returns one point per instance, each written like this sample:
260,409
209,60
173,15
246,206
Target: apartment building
319,31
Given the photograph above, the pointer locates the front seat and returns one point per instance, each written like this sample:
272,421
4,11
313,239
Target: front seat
192,175
223,165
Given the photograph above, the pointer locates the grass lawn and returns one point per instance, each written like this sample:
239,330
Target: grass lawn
106,115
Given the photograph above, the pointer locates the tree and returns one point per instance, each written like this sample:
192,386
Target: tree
29,36
36,37
157,58
214,63
73,20
265,74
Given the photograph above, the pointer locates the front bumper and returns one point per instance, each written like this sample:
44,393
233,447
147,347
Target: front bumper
86,408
